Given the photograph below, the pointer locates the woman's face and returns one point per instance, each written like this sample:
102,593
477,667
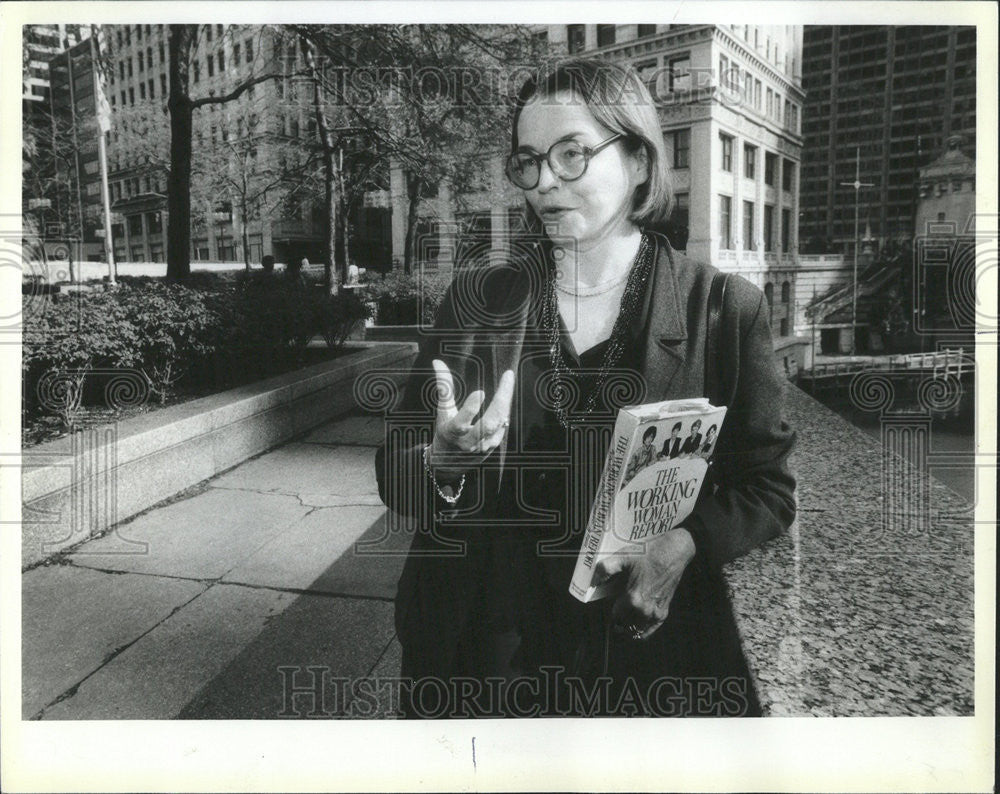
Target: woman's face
598,203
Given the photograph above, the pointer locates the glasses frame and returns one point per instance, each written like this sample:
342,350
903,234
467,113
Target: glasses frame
588,153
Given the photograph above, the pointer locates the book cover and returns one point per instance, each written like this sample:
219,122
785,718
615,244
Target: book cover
653,472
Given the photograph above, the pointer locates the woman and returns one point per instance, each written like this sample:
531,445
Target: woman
499,467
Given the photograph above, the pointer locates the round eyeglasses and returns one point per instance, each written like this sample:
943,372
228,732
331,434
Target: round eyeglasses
567,159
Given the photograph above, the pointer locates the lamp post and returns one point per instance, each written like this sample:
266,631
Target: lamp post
857,184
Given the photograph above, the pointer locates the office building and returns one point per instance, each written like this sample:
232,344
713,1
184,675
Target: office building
896,93
729,99
67,206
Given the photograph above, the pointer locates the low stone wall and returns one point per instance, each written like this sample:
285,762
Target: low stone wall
83,484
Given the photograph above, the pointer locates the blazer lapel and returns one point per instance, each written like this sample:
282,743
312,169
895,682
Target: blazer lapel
505,349
666,328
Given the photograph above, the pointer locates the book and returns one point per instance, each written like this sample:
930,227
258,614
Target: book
655,467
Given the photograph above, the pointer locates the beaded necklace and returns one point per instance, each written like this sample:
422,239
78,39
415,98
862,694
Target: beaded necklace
639,272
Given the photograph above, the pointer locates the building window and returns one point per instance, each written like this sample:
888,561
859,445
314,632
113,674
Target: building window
208,32
131,96
787,175
682,148
163,84
119,39
749,161
121,69
786,229
770,163
769,107
135,225
605,35
727,151
211,66
647,30
219,29
154,222
769,294
786,291
138,32
152,88
783,326
163,57
749,243
142,90
576,38
221,58
227,248
723,71
236,52
249,49
129,64
649,73
725,222
768,227
677,228
756,94
680,74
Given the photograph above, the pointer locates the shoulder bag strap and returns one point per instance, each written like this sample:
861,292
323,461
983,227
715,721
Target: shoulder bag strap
713,379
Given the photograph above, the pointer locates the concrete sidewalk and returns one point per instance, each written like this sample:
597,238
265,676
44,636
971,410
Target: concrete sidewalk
216,604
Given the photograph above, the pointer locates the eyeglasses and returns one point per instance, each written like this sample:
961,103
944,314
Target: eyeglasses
567,159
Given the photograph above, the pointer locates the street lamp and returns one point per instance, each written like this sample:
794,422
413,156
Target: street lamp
857,184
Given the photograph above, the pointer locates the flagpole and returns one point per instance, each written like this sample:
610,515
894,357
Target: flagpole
103,125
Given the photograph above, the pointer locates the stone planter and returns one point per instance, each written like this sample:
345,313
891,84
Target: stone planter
83,484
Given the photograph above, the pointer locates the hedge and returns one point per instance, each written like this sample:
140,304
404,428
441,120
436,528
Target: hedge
152,337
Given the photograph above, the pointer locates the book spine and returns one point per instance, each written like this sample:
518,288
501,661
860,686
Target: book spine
602,513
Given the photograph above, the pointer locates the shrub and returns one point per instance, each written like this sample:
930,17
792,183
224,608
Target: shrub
172,324
400,295
237,331
73,336
338,314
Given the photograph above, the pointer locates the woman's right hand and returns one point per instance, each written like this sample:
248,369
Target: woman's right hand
459,442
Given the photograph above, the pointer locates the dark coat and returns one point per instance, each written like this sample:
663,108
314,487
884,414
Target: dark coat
480,332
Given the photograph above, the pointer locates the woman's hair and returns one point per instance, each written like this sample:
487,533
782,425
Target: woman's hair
650,433
618,99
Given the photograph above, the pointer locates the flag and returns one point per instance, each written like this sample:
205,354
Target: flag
101,105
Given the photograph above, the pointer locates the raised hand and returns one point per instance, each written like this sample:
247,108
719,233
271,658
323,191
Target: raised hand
460,442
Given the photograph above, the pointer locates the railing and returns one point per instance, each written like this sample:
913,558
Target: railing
940,364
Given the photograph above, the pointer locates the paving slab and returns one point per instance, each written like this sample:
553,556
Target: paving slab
156,676
202,537
362,430
72,619
382,686
300,557
308,468
340,639
371,566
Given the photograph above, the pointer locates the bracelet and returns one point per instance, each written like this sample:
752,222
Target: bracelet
430,473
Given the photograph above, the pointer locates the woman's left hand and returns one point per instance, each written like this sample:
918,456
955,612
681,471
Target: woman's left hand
653,577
